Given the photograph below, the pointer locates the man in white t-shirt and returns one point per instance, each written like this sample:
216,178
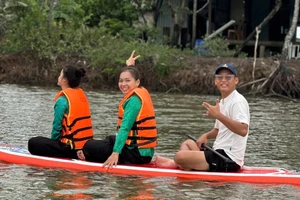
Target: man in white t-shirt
230,131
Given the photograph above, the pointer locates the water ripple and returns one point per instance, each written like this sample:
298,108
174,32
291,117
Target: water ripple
27,111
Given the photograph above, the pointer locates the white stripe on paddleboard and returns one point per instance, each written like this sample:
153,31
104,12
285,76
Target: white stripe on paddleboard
280,173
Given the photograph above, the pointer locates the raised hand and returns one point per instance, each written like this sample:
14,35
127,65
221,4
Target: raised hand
212,111
131,60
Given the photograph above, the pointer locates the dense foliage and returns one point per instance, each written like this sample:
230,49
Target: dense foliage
102,31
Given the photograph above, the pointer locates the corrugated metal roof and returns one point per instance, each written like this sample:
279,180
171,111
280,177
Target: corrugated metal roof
165,18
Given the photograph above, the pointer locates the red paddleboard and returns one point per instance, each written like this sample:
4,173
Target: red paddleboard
19,155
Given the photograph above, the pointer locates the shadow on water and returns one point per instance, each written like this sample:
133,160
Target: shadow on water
28,111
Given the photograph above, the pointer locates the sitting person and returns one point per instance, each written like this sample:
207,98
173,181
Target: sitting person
137,133
72,123
230,131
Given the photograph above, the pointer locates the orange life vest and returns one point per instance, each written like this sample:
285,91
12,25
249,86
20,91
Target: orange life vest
143,133
77,124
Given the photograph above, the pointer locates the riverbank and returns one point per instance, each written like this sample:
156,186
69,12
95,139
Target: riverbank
195,76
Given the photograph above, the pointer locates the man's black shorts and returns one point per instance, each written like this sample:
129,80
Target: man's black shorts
217,164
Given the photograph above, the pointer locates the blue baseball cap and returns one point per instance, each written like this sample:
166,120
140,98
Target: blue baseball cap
230,67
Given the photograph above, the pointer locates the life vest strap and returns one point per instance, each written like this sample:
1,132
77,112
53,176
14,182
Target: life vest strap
81,139
78,119
70,136
71,142
140,128
64,128
142,120
143,128
153,139
141,138
145,119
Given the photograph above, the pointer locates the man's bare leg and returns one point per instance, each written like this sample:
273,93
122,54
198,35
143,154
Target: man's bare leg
163,162
189,145
189,160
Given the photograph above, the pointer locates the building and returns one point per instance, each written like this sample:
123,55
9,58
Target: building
213,14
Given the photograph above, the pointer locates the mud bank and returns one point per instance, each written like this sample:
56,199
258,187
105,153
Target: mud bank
195,76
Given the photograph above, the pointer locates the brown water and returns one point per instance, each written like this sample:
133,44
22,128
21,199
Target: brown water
27,111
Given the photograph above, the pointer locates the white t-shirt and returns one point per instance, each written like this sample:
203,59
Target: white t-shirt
236,107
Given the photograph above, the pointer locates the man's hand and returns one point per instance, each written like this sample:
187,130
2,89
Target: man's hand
201,140
131,60
212,111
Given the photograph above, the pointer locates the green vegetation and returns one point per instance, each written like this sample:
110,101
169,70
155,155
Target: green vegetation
216,47
96,30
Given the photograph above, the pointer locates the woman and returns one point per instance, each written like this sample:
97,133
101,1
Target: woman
137,134
71,127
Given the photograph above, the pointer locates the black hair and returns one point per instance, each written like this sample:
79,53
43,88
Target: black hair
73,74
133,71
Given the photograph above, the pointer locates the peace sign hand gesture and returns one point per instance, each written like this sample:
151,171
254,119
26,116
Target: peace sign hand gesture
212,111
131,60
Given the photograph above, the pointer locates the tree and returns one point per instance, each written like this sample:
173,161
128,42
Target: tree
282,81
194,22
114,15
291,33
178,14
156,10
8,13
51,6
260,26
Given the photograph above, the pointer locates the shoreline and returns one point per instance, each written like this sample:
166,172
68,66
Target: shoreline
195,76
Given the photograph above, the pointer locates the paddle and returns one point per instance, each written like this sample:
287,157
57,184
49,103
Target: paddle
227,160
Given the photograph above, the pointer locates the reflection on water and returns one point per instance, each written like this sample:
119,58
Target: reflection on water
27,111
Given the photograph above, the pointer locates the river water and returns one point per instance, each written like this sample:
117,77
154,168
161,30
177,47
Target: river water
28,111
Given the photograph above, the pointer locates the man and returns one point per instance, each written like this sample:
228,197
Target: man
230,131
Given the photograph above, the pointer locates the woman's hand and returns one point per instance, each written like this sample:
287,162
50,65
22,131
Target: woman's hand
111,161
80,155
131,59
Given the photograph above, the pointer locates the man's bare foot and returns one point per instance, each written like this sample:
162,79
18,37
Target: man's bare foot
163,162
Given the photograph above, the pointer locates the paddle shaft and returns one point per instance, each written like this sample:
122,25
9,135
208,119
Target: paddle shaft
227,160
